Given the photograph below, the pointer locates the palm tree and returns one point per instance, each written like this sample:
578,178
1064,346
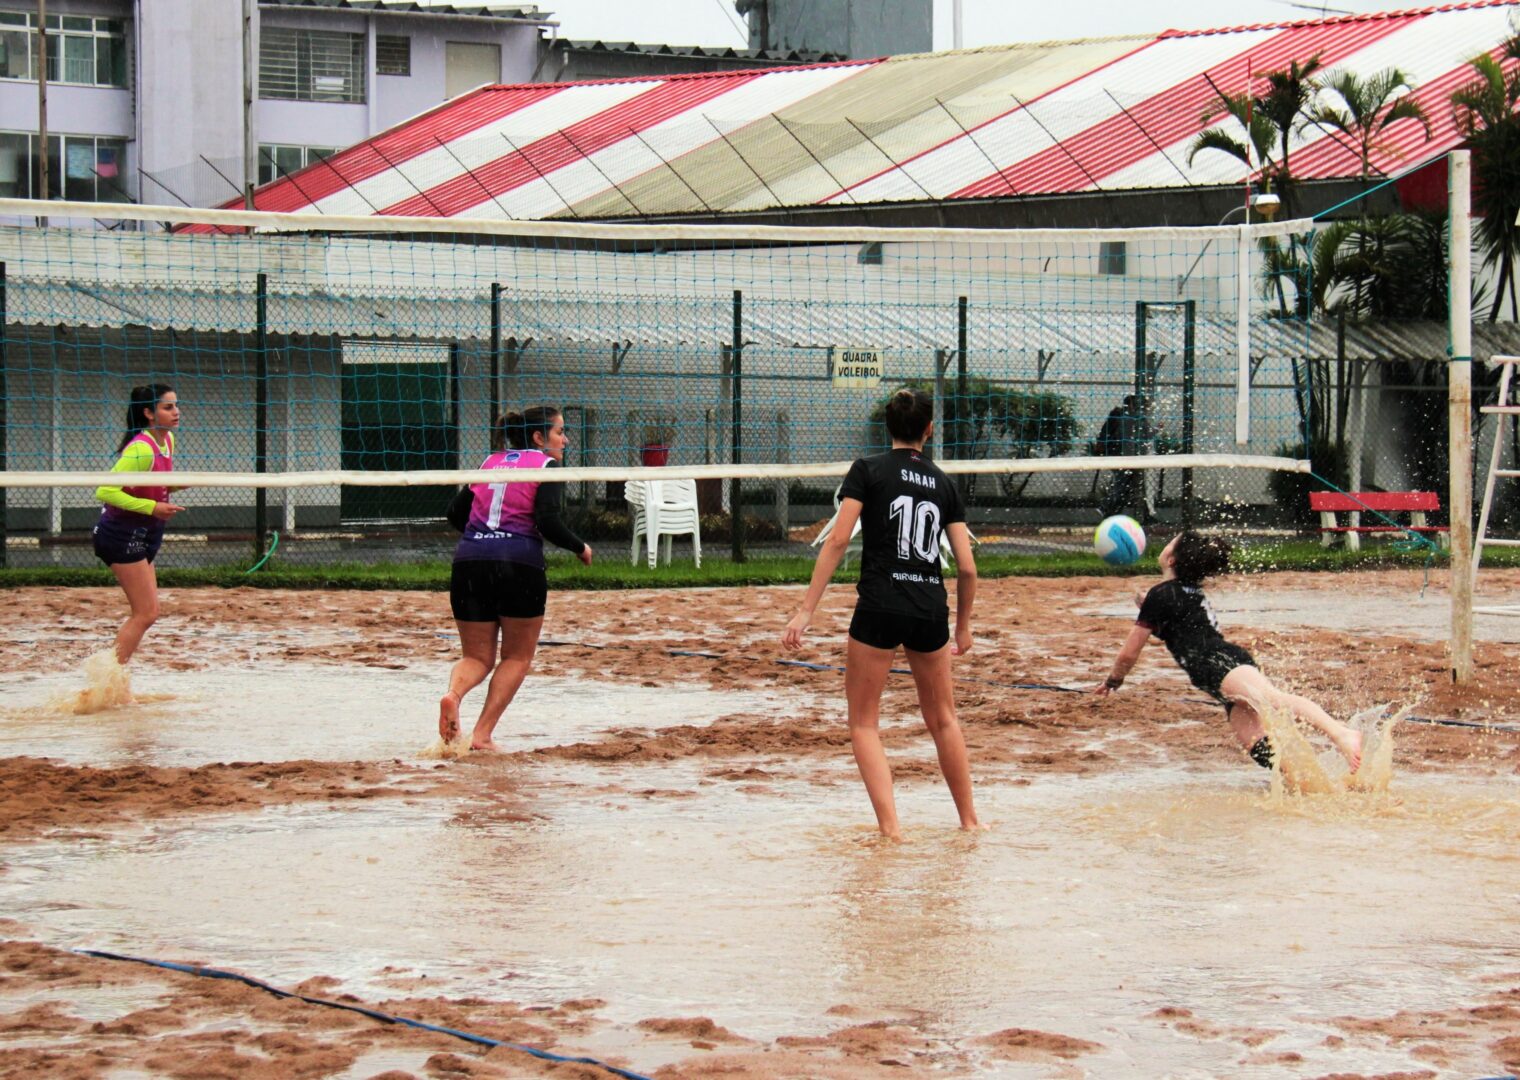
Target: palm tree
1368,106
1485,114
1288,96
1255,151
1366,109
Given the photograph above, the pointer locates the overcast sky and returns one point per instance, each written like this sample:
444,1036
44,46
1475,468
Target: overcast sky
986,22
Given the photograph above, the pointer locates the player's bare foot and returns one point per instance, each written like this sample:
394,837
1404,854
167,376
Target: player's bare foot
448,717
1350,746
487,746
975,826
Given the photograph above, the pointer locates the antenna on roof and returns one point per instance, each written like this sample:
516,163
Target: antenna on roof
1325,10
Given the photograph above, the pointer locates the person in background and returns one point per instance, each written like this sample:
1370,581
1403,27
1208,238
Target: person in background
498,588
132,518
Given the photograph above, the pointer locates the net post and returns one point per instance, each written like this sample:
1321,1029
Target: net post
453,392
1459,413
495,354
260,408
736,390
1189,390
4,420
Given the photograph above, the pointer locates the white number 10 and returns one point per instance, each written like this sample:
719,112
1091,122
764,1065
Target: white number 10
917,528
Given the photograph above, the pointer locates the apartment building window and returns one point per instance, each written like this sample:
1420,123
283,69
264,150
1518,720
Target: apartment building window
393,54
311,65
89,168
81,51
276,160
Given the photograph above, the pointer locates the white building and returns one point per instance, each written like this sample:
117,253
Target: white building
145,97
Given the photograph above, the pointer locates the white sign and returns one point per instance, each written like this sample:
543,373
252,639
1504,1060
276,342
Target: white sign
855,369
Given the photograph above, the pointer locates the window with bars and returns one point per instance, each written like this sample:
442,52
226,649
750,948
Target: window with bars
393,54
276,160
311,65
81,50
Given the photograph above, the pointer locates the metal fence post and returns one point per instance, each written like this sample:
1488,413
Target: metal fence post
736,390
260,408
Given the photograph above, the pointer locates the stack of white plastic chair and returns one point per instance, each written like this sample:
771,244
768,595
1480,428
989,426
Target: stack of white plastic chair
854,544
663,509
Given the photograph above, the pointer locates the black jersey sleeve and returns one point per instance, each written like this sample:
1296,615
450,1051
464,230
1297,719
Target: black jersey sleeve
458,512
1157,609
856,481
548,504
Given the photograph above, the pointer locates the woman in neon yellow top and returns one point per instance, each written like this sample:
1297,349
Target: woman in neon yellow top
131,525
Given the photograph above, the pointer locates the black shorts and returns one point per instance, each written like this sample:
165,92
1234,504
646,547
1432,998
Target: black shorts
1208,669
482,590
884,630
117,541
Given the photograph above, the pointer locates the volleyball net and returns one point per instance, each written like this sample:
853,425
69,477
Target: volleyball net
338,375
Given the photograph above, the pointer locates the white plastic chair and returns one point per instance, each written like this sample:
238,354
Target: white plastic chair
663,508
854,544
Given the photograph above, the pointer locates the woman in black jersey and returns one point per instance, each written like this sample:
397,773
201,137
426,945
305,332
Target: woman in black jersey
904,503
1177,612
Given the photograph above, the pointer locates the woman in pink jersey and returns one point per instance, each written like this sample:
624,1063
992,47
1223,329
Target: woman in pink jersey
131,525
498,587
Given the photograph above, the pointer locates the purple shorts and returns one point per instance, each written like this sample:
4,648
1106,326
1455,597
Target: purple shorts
118,541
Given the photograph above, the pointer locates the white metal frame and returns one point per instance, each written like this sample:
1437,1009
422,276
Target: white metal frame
1504,405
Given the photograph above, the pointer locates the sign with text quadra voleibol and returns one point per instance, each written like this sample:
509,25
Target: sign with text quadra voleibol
855,369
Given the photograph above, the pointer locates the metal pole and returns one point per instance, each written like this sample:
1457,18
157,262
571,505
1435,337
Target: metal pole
1141,369
495,355
940,360
260,408
960,378
957,26
454,404
1459,416
44,187
250,137
1189,384
4,430
736,389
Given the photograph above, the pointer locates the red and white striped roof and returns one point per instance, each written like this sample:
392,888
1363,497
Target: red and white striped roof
1018,120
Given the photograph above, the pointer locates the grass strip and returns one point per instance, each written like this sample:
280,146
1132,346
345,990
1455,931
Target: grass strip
613,573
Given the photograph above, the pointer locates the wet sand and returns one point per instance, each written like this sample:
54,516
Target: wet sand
755,750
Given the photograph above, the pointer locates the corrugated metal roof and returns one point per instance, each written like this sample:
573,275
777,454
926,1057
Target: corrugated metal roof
1103,114
700,52
411,7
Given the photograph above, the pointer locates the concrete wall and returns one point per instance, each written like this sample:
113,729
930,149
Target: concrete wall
189,68
853,28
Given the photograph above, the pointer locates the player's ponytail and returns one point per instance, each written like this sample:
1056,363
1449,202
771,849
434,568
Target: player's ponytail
144,399
516,428
1197,557
908,414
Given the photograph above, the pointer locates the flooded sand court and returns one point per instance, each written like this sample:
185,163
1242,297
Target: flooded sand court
672,867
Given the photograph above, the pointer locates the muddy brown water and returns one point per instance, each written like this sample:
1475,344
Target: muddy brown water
1174,918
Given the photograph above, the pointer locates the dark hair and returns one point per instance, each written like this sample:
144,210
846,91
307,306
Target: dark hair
1197,557
143,398
516,429
908,414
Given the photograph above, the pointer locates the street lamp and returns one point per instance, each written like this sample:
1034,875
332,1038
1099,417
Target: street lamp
1264,203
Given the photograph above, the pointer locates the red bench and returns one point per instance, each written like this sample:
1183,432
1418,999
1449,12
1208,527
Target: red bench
1414,503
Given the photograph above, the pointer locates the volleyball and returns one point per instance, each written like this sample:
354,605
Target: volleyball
1119,540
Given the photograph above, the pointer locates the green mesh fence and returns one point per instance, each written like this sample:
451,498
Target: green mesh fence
355,348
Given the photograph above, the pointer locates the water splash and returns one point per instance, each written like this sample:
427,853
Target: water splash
1299,770
108,685
440,750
